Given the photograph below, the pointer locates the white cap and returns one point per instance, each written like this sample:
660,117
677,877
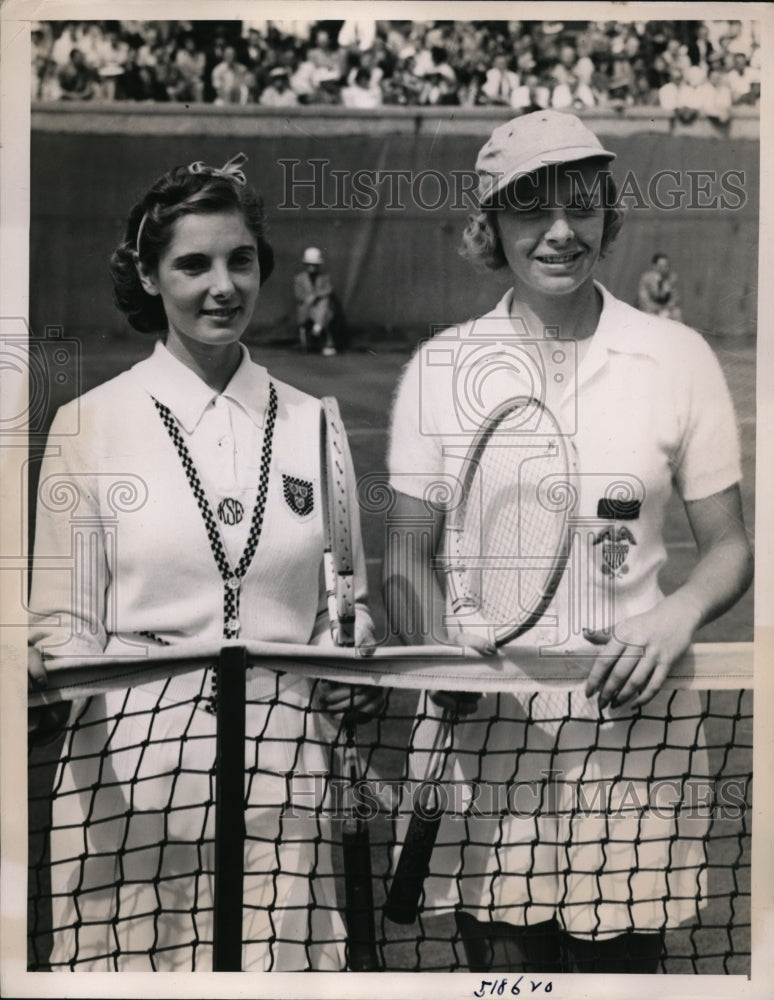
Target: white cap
312,256
532,141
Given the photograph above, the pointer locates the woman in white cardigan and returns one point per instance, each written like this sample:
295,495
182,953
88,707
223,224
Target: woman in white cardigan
186,506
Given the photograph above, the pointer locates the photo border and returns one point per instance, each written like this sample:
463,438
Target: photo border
15,124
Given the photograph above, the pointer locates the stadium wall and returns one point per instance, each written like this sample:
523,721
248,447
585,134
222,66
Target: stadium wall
391,237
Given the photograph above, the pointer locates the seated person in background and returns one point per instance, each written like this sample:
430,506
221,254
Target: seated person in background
362,93
644,95
621,87
739,37
323,55
501,83
600,80
77,82
657,293
584,66
742,81
404,86
42,39
313,292
253,50
92,45
692,98
327,87
150,49
70,39
138,83
716,99
532,95
302,79
471,92
572,94
440,85
230,79
676,97
113,54
365,64
45,86
564,68
701,48
713,102
191,62
170,85
278,92
674,56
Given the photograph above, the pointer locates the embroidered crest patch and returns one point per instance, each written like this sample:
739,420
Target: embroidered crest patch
615,549
299,495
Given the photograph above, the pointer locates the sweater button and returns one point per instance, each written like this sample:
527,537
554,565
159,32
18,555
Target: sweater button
232,625
233,583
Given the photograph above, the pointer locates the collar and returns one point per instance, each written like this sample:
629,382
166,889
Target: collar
621,328
187,396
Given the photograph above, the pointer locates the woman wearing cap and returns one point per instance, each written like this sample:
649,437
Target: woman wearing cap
198,476
544,886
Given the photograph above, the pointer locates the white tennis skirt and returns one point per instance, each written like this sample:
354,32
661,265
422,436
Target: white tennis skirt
554,809
133,826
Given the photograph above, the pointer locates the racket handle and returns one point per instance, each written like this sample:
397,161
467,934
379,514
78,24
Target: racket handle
362,955
457,703
47,723
413,868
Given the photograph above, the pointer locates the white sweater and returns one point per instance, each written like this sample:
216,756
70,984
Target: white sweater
121,546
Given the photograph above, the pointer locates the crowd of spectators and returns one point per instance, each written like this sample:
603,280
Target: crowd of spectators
690,68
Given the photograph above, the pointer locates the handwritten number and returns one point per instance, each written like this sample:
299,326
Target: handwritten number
498,987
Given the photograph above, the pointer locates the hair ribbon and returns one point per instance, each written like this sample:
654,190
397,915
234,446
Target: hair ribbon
231,170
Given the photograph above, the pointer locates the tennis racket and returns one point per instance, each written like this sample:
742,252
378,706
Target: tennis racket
506,547
339,584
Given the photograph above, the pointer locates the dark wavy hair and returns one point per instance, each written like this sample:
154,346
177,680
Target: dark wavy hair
181,191
481,242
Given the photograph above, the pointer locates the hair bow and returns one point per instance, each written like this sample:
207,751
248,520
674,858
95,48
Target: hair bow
231,170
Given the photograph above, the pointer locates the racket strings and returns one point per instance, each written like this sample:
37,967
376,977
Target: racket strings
513,535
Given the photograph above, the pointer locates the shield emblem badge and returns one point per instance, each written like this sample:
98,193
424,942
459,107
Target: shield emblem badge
614,554
615,543
299,495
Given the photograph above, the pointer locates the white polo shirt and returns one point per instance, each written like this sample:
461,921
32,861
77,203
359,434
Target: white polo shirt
121,546
646,410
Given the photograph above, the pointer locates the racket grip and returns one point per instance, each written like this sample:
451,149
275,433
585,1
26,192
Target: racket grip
457,703
413,868
362,955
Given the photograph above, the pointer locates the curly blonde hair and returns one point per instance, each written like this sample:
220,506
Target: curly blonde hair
481,243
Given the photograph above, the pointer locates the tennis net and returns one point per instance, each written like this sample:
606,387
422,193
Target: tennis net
131,866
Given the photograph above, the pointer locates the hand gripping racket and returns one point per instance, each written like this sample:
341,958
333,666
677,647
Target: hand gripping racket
339,584
506,548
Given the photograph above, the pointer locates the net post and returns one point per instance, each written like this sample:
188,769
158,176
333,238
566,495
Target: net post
229,810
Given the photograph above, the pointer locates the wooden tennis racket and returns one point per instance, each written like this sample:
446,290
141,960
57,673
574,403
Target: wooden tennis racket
338,562
506,547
